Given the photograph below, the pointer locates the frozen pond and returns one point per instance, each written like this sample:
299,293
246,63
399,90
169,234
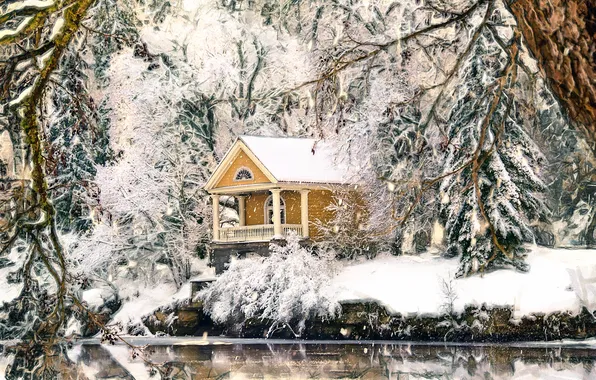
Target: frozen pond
235,359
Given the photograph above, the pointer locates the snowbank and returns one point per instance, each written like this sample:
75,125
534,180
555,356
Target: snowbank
10,291
148,300
414,284
140,301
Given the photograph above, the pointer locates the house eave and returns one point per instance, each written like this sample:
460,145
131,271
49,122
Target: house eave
295,186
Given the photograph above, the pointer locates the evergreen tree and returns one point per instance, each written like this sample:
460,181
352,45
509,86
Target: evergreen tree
402,158
113,27
76,144
492,191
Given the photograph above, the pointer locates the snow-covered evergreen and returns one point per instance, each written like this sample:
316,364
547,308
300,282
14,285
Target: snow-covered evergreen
78,143
493,191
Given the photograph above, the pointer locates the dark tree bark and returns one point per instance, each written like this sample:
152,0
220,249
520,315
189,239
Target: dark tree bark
562,36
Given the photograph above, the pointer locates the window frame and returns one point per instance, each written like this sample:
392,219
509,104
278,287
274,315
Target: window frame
267,208
236,179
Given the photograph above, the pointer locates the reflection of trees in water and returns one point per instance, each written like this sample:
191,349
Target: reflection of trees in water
480,362
339,361
97,357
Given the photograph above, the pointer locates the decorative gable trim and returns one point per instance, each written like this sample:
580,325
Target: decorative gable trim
225,163
243,174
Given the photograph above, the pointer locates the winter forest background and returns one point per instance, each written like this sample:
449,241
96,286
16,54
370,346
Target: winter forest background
115,112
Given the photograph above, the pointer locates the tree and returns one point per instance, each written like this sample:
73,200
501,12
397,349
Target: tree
152,205
286,288
76,144
351,231
494,193
560,34
389,82
47,30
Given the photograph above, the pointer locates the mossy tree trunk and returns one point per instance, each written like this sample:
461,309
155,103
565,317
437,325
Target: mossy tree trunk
39,351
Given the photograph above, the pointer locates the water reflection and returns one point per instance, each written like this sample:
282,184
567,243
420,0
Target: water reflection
340,361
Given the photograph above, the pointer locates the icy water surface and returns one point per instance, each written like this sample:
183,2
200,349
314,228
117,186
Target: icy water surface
284,360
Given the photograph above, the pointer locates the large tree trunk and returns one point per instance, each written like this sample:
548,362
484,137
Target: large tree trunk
562,36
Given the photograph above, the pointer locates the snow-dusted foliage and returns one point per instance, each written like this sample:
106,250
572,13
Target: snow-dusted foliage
495,191
287,287
382,80
151,210
78,142
349,232
452,138
437,106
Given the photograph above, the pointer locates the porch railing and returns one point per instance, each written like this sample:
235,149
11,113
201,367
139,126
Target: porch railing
262,232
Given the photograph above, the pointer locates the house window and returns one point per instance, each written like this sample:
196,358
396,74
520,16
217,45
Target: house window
269,210
243,174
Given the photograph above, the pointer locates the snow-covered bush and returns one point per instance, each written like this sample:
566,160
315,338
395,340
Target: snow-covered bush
288,287
350,233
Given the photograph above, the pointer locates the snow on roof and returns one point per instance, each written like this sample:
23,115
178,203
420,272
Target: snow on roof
292,159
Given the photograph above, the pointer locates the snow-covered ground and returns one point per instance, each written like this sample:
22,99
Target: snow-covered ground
147,301
139,301
10,291
414,284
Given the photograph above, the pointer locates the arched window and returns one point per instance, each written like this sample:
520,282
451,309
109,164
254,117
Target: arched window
243,174
269,210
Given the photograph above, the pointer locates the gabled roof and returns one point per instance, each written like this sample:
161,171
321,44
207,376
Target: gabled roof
292,159
287,159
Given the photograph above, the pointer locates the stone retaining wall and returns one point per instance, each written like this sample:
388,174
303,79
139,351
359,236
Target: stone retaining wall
368,320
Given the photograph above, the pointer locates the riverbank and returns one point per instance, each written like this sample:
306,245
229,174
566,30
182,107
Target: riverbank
371,321
413,298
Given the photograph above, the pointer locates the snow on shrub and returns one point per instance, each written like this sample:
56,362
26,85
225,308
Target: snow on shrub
289,286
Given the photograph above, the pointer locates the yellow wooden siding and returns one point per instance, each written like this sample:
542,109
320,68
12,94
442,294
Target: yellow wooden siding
254,208
292,199
318,200
358,215
242,160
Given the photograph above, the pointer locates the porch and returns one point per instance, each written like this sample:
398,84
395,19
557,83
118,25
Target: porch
264,214
263,232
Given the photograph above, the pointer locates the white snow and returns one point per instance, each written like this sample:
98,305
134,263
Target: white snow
7,33
22,96
291,159
57,28
148,300
5,361
41,60
10,291
96,297
413,284
6,151
39,4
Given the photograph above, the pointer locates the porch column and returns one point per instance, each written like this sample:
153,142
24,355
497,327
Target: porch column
215,200
277,231
241,209
304,212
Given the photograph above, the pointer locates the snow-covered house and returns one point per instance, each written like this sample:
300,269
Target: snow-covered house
282,185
